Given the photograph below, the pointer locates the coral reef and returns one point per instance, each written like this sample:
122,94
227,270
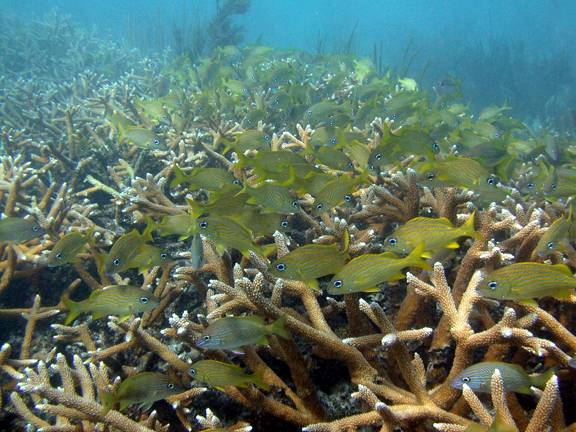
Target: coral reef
199,180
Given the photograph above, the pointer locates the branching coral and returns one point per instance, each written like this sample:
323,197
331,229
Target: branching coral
122,155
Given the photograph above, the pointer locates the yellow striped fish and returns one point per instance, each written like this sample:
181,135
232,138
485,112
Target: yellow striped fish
479,376
143,389
365,272
310,262
227,234
233,332
66,249
118,300
526,281
436,233
221,374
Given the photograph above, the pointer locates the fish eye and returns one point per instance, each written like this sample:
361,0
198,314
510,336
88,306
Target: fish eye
156,141
490,180
206,338
116,262
170,386
309,113
284,224
236,181
144,300
492,285
280,267
553,186
350,165
35,228
319,206
430,176
465,379
203,224
333,140
550,245
163,255
378,156
435,148
59,255
347,198
337,283
192,372
266,138
530,185
295,204
392,242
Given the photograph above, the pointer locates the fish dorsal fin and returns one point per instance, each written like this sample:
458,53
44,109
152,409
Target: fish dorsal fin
345,241
444,221
563,268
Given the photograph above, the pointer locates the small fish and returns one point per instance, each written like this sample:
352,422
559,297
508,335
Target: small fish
19,230
227,233
515,379
149,256
233,332
334,158
453,171
436,233
180,225
66,249
141,137
334,193
526,281
207,178
226,202
273,198
143,389
123,252
117,300
250,140
365,272
196,252
310,262
555,238
328,114
279,165
221,374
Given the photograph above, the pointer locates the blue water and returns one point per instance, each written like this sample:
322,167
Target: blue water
502,50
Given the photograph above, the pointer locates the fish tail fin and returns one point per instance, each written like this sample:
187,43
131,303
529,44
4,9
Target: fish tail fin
414,259
278,327
257,379
74,309
108,401
540,380
468,229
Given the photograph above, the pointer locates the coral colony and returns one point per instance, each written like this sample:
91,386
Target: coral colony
262,237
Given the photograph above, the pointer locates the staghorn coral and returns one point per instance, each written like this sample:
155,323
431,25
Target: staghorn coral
376,360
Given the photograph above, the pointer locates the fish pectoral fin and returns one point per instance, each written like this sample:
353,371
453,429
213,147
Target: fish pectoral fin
564,294
312,284
371,290
262,341
453,245
124,318
528,302
426,255
98,315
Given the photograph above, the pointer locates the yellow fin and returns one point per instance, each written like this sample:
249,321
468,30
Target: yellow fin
312,284
528,302
452,245
371,290
563,268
